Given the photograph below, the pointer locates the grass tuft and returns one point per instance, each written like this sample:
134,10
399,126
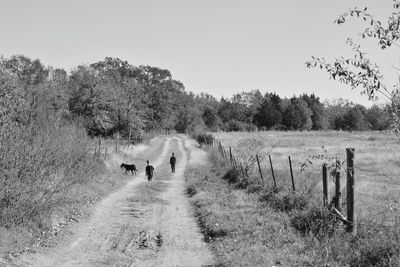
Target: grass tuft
315,220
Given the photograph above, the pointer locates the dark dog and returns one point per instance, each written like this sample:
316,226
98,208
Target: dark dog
129,167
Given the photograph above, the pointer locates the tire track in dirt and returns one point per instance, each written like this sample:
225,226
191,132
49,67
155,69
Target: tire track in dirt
182,242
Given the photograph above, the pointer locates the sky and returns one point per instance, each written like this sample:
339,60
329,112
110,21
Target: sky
220,47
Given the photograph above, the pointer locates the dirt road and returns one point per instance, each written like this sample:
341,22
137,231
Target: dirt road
143,224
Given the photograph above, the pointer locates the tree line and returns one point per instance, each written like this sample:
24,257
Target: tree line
113,96
252,110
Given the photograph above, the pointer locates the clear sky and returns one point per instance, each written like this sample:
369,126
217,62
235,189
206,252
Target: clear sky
216,46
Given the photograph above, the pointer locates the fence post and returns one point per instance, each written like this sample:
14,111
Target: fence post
291,173
230,155
325,184
351,227
241,167
338,193
272,170
99,144
259,168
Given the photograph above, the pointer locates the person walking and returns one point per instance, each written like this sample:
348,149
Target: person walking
172,161
149,171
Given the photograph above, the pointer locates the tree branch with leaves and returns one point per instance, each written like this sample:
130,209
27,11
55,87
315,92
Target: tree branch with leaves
359,71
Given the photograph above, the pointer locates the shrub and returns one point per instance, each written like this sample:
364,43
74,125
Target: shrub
203,138
40,164
232,176
315,220
284,200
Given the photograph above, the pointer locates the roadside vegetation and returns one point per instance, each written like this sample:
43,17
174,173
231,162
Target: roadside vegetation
247,223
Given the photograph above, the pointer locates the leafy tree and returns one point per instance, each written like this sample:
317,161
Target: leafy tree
87,101
297,116
126,94
210,118
318,110
152,76
29,77
353,119
188,116
206,100
378,118
268,114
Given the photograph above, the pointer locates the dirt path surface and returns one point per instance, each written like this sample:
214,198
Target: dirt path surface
143,224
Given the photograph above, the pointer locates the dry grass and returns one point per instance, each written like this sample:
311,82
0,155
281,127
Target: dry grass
259,225
377,162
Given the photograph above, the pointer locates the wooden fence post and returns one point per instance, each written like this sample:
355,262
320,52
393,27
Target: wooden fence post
338,191
325,184
272,170
291,173
230,156
241,167
351,227
99,144
259,168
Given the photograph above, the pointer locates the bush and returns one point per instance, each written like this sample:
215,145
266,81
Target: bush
41,163
232,176
204,138
315,220
284,200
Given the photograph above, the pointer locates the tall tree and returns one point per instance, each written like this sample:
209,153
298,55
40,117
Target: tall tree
297,116
317,108
268,114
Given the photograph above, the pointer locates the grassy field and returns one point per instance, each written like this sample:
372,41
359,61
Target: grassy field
250,224
377,161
